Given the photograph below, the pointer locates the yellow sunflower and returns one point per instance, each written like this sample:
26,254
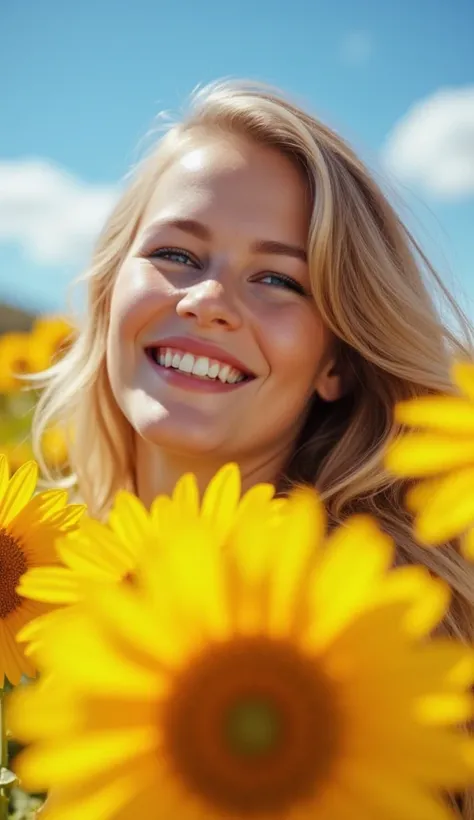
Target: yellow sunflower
54,445
28,529
53,335
18,357
441,453
111,554
284,676
16,453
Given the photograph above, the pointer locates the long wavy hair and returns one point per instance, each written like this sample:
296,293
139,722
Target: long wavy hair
375,290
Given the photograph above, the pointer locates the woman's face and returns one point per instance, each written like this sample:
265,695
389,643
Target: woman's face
215,344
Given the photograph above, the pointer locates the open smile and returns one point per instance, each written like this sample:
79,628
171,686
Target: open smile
204,371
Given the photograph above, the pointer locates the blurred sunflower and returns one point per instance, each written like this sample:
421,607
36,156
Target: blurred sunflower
111,554
53,335
283,676
16,453
441,452
18,357
29,527
54,445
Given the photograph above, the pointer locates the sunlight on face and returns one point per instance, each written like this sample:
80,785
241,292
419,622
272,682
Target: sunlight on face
218,272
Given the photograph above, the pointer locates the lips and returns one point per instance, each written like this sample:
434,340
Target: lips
198,359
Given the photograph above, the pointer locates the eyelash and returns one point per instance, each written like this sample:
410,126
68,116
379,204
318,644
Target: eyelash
288,280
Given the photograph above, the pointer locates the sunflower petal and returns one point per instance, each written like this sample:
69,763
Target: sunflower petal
52,585
221,500
467,544
192,564
384,795
463,377
19,490
96,801
37,710
112,551
90,560
125,616
84,756
421,492
4,475
67,519
446,709
31,631
186,495
449,510
415,455
355,559
304,528
129,518
71,639
428,597
12,661
445,414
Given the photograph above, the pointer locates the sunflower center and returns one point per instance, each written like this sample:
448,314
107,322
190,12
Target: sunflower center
253,726
12,566
20,366
130,579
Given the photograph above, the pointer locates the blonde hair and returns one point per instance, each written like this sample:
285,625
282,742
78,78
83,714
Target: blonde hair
371,283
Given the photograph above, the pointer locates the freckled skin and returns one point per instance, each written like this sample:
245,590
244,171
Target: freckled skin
218,290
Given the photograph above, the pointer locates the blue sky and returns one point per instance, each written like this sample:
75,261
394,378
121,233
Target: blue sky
85,82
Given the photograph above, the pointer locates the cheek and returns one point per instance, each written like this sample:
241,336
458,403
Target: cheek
139,294
294,343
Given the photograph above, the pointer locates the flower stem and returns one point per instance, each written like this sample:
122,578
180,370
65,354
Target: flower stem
7,778
4,757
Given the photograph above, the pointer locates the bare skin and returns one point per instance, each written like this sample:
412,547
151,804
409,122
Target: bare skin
231,274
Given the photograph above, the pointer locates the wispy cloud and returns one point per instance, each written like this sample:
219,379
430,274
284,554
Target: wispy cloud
432,146
53,216
356,47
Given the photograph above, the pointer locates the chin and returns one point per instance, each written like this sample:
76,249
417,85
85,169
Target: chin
190,439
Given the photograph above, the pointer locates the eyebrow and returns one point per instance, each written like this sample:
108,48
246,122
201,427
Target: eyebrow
200,231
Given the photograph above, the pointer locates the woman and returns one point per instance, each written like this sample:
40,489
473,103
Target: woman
255,298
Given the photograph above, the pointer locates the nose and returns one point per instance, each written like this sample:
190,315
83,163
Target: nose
208,303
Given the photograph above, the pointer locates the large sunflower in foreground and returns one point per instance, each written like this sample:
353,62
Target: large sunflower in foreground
111,554
441,453
285,676
29,527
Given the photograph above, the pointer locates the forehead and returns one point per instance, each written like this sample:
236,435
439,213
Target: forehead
232,178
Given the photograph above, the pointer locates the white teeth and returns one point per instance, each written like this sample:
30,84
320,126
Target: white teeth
187,363
213,370
199,366
224,372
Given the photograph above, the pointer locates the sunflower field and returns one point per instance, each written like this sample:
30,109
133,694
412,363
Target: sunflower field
26,353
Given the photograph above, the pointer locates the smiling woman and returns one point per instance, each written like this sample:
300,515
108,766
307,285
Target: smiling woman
254,298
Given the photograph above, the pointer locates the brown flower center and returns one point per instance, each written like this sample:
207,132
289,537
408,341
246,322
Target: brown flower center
20,366
12,566
252,726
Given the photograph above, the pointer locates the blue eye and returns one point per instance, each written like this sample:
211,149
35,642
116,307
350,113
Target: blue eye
175,255
279,280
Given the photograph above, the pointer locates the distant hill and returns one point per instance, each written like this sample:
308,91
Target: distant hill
13,318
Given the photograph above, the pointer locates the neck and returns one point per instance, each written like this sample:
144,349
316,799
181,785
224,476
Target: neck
159,470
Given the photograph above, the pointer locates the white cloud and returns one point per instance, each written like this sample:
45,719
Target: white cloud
432,146
356,47
53,216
